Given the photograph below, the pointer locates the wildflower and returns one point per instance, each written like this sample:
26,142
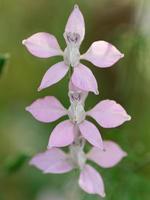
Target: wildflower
107,113
56,161
100,53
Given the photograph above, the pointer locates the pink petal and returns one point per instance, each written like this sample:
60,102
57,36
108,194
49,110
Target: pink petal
42,45
47,109
73,88
109,114
53,75
91,134
102,54
109,157
52,161
91,181
62,135
75,23
84,79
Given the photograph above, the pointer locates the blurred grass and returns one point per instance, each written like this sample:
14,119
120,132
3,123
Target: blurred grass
124,24
3,60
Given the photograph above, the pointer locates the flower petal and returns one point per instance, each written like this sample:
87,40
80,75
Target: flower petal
109,114
47,109
102,54
62,135
75,23
73,88
109,157
84,79
42,45
53,75
91,134
91,181
52,161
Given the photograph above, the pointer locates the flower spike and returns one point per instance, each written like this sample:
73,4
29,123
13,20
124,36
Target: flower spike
75,131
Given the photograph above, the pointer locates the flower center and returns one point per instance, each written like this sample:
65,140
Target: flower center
73,38
75,96
76,112
71,53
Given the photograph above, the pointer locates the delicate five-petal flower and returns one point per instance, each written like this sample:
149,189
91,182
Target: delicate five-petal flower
107,113
55,160
101,53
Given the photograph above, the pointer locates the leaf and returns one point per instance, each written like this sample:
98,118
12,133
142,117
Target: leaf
13,164
3,60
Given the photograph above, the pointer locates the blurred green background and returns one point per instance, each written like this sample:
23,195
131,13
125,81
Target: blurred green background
124,23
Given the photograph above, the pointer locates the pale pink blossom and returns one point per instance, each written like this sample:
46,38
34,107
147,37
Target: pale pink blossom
107,113
100,53
56,161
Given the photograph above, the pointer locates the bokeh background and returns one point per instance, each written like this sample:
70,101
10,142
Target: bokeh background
124,23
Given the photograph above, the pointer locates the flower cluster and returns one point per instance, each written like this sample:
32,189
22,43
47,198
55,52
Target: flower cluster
76,130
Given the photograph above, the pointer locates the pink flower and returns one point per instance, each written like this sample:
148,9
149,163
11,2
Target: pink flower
100,53
107,113
56,161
